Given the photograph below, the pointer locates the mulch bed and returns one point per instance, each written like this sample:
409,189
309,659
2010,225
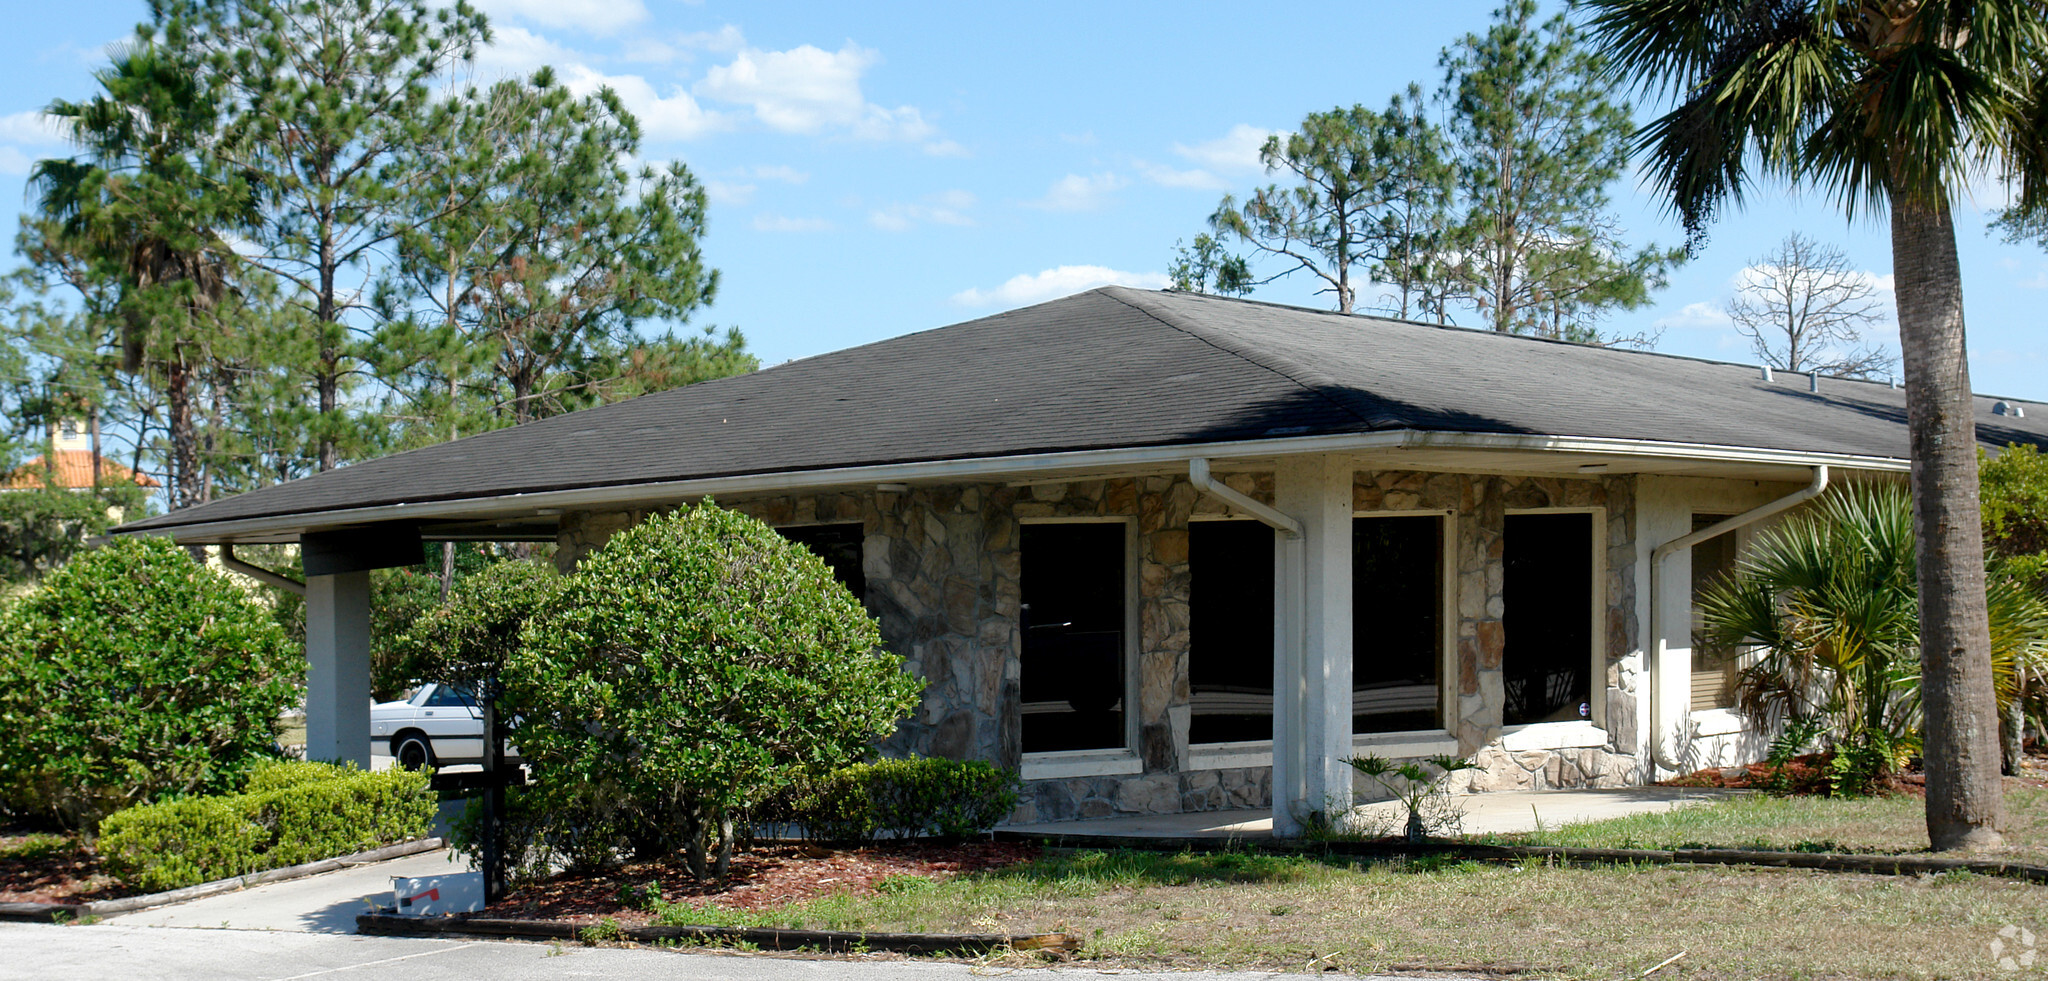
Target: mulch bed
1808,774
69,873
763,878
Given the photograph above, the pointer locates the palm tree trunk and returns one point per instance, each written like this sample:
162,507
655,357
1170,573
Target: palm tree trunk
1965,803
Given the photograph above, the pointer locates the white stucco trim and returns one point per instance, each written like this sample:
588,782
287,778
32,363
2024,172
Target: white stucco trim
1552,735
1011,466
1086,763
1405,745
1717,722
1225,756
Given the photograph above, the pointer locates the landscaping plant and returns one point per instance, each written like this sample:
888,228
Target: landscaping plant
290,813
134,674
1828,600
695,665
1420,787
906,798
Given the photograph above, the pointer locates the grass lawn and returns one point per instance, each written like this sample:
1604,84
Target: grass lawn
1260,912
1873,825
1241,911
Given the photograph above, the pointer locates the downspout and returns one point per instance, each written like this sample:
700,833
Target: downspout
1813,489
1204,481
258,573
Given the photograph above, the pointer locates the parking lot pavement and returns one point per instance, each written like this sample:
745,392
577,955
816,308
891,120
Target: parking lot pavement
116,950
325,903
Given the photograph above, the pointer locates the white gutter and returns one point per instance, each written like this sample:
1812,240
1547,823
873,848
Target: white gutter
257,572
1812,490
1199,475
1173,456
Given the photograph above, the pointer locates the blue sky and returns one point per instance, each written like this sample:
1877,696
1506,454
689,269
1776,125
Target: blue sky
878,169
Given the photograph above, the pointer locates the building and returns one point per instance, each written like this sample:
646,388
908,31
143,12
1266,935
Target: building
1168,552
69,466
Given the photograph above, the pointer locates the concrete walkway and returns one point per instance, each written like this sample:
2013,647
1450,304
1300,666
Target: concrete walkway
326,903
1506,812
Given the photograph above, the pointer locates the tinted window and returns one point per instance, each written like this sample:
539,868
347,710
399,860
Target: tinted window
1397,626
840,546
1073,659
1548,592
1230,646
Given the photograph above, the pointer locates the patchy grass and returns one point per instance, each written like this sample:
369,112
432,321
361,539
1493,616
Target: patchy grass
1872,825
1258,912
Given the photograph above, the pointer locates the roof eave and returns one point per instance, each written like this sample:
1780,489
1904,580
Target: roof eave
285,526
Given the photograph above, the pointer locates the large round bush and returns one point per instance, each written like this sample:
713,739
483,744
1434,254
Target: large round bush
696,664
132,674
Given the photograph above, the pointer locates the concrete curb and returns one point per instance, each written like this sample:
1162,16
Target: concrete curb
1822,861
59,912
388,924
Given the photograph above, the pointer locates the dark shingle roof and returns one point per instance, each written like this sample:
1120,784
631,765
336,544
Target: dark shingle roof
1117,367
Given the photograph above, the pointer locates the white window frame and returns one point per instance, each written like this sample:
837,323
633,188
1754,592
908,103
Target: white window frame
1588,731
1113,761
1720,720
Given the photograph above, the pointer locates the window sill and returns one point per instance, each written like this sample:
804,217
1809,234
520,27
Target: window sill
1406,745
1085,763
1552,735
1229,756
1717,722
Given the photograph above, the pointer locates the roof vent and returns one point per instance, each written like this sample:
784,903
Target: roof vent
2008,409
1813,381
1767,372
1892,380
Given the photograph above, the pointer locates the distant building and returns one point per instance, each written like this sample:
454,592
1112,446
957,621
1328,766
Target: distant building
69,463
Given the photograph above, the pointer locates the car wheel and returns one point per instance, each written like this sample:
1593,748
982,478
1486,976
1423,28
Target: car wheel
413,751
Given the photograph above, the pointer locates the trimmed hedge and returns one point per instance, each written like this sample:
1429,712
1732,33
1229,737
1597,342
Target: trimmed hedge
906,798
291,813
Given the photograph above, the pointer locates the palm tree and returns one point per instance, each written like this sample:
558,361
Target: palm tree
1881,104
133,208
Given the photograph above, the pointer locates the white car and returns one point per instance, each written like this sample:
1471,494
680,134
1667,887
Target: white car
438,725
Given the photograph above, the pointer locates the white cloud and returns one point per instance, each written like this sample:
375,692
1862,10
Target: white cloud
517,52
1759,275
1077,193
1057,282
778,172
30,128
675,116
779,223
1234,152
1695,316
594,16
943,208
810,90
1196,180
946,148
726,192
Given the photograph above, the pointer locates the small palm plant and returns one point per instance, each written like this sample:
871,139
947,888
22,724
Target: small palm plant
1411,783
1828,600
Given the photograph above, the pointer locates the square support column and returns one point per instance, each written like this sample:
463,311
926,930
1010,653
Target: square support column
1312,643
338,668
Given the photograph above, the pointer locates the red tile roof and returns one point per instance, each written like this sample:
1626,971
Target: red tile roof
74,472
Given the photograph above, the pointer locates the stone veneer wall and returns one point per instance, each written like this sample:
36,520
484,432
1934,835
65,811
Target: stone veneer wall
943,566
1480,505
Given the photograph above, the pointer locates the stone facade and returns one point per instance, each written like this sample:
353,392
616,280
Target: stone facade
943,576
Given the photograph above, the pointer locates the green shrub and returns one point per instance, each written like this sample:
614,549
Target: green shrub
295,813
692,667
908,798
135,674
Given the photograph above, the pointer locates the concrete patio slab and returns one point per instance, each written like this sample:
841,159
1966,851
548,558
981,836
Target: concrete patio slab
1505,812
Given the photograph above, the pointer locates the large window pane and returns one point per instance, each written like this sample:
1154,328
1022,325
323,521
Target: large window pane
1397,610
1548,664
1713,665
1230,647
1073,657
840,546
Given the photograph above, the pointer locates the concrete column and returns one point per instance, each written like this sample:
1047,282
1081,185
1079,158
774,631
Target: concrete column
338,668
1312,643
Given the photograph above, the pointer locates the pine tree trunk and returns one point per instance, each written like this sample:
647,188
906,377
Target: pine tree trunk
184,435
1965,803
